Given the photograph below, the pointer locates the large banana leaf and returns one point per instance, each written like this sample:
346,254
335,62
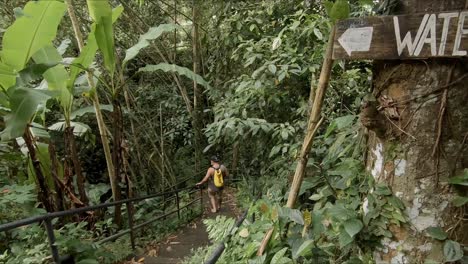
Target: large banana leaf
23,105
29,33
89,52
101,12
7,77
143,42
79,129
165,67
57,76
88,110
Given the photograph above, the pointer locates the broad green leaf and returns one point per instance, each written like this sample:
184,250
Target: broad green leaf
460,201
328,7
344,239
452,251
78,128
382,189
85,58
398,217
277,258
353,226
340,213
461,179
165,67
344,121
88,110
89,51
152,34
272,68
39,131
340,10
33,73
318,34
7,76
296,216
57,76
101,12
29,33
436,233
23,104
304,248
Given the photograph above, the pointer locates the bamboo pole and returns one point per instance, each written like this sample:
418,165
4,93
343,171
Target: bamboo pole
312,127
314,122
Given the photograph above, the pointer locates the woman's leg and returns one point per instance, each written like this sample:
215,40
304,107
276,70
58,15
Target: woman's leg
220,199
211,194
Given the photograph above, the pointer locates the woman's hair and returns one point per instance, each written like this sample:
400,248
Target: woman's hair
214,158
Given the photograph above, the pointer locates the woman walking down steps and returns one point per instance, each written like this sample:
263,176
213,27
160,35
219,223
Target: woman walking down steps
215,176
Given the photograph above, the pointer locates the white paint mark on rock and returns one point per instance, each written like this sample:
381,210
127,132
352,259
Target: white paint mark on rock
399,259
400,167
365,206
379,160
413,212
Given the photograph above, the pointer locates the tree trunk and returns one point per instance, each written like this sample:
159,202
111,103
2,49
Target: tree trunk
197,92
417,127
72,155
59,197
44,194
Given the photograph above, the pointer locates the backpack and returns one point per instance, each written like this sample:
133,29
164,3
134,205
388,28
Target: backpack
218,177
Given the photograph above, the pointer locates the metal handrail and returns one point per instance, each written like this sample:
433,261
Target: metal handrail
47,218
222,245
220,248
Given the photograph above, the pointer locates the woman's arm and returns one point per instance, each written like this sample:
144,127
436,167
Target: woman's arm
207,176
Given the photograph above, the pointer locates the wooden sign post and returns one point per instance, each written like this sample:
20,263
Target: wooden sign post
402,37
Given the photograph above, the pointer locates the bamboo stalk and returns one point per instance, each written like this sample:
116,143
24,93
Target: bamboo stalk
265,240
314,122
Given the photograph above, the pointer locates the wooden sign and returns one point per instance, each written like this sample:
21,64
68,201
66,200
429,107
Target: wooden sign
402,37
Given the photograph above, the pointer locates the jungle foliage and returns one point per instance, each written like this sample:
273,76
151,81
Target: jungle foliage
98,103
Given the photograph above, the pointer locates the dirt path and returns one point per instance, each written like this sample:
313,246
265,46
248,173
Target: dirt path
179,245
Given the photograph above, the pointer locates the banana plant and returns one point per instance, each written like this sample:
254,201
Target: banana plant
29,34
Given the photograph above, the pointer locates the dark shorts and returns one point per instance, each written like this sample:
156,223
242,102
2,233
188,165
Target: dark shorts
215,191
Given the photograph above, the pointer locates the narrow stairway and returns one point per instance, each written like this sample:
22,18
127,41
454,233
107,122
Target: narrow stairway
180,244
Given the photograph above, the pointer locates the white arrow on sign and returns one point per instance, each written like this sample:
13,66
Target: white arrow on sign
356,39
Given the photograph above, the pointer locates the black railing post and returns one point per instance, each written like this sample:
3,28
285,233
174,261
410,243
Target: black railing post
130,224
51,236
178,204
253,197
